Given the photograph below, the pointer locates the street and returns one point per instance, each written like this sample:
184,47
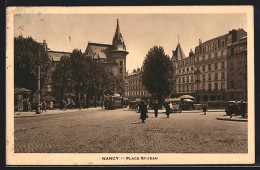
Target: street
121,131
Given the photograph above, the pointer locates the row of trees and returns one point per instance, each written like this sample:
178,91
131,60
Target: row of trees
75,73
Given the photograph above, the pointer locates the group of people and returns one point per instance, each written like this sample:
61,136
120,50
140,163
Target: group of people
67,104
143,110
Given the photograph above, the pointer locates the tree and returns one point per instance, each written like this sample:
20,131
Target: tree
26,61
61,77
157,75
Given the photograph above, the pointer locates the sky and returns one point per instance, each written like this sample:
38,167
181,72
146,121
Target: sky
65,32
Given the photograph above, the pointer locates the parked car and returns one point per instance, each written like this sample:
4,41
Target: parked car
234,107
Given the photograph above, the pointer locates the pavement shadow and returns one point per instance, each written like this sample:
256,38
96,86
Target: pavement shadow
137,123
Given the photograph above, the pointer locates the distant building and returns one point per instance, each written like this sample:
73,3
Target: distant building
203,74
134,90
237,70
113,57
54,57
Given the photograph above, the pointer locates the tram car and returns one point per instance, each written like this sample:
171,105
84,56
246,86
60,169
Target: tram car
113,102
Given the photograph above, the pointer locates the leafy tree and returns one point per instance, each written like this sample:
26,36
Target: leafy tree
26,61
61,77
157,74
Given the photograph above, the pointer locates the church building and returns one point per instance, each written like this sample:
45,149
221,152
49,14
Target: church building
113,57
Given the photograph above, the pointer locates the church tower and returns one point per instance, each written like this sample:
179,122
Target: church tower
119,53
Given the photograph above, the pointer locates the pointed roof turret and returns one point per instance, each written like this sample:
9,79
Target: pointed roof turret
178,54
118,38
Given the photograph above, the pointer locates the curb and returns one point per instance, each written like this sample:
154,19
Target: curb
230,119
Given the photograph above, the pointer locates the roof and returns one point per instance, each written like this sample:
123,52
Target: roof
186,97
178,53
56,55
96,50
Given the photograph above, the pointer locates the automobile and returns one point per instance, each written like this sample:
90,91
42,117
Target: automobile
233,107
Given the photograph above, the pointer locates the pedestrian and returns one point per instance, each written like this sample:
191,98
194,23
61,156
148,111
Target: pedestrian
44,106
143,110
167,108
155,108
51,105
236,109
242,109
205,109
64,103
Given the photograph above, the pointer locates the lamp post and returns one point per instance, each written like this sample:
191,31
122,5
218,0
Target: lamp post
38,111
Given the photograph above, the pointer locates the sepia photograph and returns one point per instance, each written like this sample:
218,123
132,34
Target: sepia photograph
130,85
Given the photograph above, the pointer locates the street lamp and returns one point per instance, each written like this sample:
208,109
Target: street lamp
38,110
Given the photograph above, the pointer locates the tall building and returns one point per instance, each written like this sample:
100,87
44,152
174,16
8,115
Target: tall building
204,73
237,70
134,90
113,57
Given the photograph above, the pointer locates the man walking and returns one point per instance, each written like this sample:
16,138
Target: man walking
155,108
205,109
167,108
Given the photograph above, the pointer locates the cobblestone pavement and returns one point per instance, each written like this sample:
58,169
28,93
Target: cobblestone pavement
121,131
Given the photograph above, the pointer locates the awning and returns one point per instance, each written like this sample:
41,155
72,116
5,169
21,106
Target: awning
187,100
187,97
21,90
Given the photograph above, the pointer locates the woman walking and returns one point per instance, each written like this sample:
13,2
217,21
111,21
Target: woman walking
167,108
143,110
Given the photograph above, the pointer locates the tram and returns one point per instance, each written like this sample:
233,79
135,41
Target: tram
113,102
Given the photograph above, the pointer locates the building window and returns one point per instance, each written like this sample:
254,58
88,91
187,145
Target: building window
222,44
210,86
191,78
223,85
216,66
183,88
209,56
203,67
203,77
203,58
232,51
232,72
179,80
183,70
240,71
216,55
191,68
222,53
209,67
203,86
216,86
179,70
222,75
198,68
209,76
121,63
222,64
198,59
188,70
231,84
183,79
216,76
187,79
192,88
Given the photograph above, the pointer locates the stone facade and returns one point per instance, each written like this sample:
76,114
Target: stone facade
204,73
134,90
237,70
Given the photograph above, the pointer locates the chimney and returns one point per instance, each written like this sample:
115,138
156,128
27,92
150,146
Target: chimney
200,41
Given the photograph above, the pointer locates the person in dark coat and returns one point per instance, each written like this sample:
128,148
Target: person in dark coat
167,108
242,109
155,108
143,110
205,109
235,108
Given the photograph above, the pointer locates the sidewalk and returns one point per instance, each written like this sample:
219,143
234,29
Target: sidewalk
50,112
234,118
